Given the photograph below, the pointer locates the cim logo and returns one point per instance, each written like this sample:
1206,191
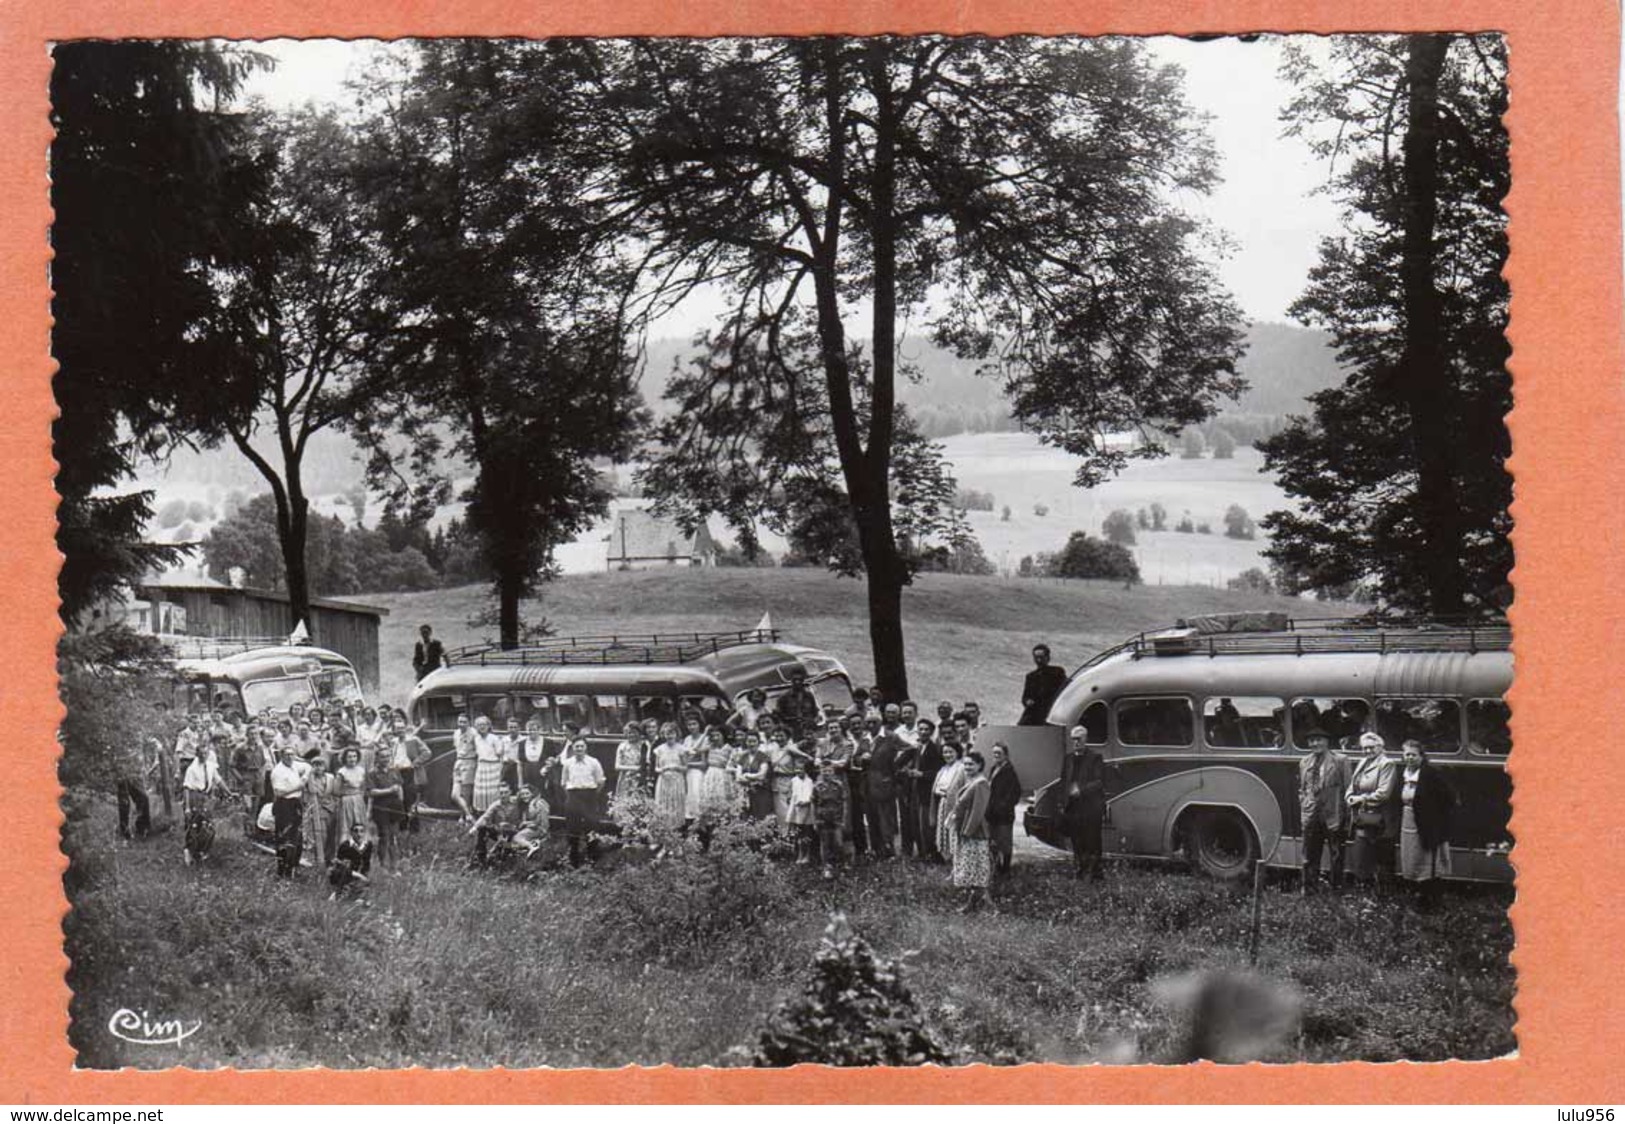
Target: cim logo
141,1029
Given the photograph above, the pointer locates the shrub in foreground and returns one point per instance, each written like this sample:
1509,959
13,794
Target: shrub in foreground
856,1010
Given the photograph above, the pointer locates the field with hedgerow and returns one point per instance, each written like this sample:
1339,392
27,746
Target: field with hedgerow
688,958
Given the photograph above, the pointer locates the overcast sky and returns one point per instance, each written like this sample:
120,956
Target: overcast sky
1267,203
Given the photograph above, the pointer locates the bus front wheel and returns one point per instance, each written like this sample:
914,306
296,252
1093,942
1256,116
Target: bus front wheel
1220,843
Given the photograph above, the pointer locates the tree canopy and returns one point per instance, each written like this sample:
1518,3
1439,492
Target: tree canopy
1400,471
1010,195
508,348
150,186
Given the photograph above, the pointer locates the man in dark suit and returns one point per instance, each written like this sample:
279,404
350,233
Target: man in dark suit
927,762
1083,816
1001,807
881,793
1040,687
429,653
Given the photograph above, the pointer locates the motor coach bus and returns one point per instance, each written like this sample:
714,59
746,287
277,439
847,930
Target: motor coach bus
601,683
1201,729
249,676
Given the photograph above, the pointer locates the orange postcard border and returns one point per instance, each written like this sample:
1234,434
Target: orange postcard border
1568,431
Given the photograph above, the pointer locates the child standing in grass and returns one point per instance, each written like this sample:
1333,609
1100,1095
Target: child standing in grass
799,812
829,812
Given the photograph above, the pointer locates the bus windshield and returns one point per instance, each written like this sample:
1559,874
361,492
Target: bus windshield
338,684
262,694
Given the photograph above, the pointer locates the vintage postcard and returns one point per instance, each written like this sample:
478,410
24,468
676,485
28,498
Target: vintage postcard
737,542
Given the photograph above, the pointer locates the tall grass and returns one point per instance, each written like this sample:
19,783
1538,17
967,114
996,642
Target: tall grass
438,965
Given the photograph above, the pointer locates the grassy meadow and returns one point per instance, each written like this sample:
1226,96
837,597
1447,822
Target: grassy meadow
968,637
682,960
440,966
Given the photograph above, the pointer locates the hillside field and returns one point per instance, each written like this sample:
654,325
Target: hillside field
967,637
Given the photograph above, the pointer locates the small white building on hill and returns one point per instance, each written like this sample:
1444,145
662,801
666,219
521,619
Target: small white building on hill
640,540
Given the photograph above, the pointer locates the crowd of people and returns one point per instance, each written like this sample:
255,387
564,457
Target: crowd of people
342,784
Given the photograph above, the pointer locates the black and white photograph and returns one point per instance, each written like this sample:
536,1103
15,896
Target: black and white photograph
742,552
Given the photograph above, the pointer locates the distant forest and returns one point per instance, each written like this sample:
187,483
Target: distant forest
1283,365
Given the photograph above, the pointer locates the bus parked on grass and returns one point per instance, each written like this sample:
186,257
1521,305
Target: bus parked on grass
247,676
1201,728
600,683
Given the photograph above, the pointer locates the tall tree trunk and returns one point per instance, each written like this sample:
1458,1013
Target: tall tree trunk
866,471
509,586
293,556
883,562
1425,370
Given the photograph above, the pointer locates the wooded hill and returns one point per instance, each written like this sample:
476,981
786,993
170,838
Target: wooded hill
1283,366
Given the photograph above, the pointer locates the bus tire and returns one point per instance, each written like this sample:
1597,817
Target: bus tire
1220,843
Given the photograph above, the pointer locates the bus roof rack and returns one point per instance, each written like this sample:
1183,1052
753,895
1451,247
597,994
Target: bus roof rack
219,647
1300,637
660,648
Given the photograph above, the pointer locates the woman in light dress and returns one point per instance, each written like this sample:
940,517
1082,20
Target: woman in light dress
945,791
670,787
694,759
719,794
352,786
629,764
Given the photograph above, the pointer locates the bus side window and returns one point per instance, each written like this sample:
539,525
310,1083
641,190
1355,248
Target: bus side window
1242,722
1436,723
658,707
1094,724
1341,720
610,714
1488,729
441,711
573,710
537,707
1155,722
494,707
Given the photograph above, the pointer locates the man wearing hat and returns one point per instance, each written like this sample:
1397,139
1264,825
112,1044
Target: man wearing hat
1083,816
1323,778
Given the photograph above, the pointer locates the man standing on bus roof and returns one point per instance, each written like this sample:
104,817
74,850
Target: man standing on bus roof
1083,816
1323,777
429,653
1039,689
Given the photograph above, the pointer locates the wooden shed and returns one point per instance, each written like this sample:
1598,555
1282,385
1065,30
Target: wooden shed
182,604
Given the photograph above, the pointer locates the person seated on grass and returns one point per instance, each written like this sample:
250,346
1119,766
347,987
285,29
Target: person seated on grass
534,823
352,861
497,833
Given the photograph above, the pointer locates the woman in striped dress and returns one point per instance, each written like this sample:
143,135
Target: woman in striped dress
488,755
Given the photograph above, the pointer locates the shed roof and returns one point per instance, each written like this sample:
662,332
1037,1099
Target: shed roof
178,581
